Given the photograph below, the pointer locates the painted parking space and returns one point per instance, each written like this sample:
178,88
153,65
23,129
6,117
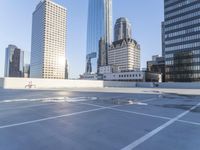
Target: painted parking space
98,120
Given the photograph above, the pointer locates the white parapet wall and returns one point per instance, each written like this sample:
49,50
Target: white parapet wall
22,83
26,83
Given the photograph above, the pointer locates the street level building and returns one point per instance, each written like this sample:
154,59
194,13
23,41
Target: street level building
48,41
137,76
110,73
182,40
14,62
157,66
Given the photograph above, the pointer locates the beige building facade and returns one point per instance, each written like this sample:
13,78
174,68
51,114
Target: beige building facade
124,55
48,41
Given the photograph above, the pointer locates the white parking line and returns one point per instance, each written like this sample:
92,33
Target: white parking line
45,101
51,99
189,122
157,130
139,113
50,118
54,117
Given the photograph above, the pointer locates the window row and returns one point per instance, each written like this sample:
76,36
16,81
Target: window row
183,46
170,2
181,11
182,25
183,3
184,68
183,39
182,32
130,75
183,17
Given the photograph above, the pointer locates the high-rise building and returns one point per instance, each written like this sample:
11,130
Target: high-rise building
99,26
48,41
163,38
27,71
124,52
122,29
14,62
102,59
182,40
124,55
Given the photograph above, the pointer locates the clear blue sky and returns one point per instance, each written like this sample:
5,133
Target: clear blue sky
16,20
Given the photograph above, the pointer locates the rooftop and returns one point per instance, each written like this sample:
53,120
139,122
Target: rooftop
103,118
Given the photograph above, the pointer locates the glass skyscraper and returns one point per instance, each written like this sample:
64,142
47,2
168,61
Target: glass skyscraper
182,40
99,26
14,62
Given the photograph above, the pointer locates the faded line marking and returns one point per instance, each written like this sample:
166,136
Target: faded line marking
157,130
189,122
45,101
50,118
51,99
139,113
54,117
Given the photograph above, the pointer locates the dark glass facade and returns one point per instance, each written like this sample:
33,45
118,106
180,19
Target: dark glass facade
163,38
157,66
14,62
99,26
182,40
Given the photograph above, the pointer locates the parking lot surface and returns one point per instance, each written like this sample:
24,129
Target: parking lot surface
99,119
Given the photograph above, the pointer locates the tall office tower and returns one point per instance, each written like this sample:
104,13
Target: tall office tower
48,41
14,62
26,70
124,55
182,40
102,59
163,38
122,29
99,26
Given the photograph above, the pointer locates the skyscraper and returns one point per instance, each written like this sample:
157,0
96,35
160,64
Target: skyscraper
122,29
163,38
182,40
14,62
102,59
124,52
48,41
99,26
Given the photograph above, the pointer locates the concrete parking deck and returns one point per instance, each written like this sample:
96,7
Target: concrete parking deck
99,119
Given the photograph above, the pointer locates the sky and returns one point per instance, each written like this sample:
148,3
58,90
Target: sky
16,23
